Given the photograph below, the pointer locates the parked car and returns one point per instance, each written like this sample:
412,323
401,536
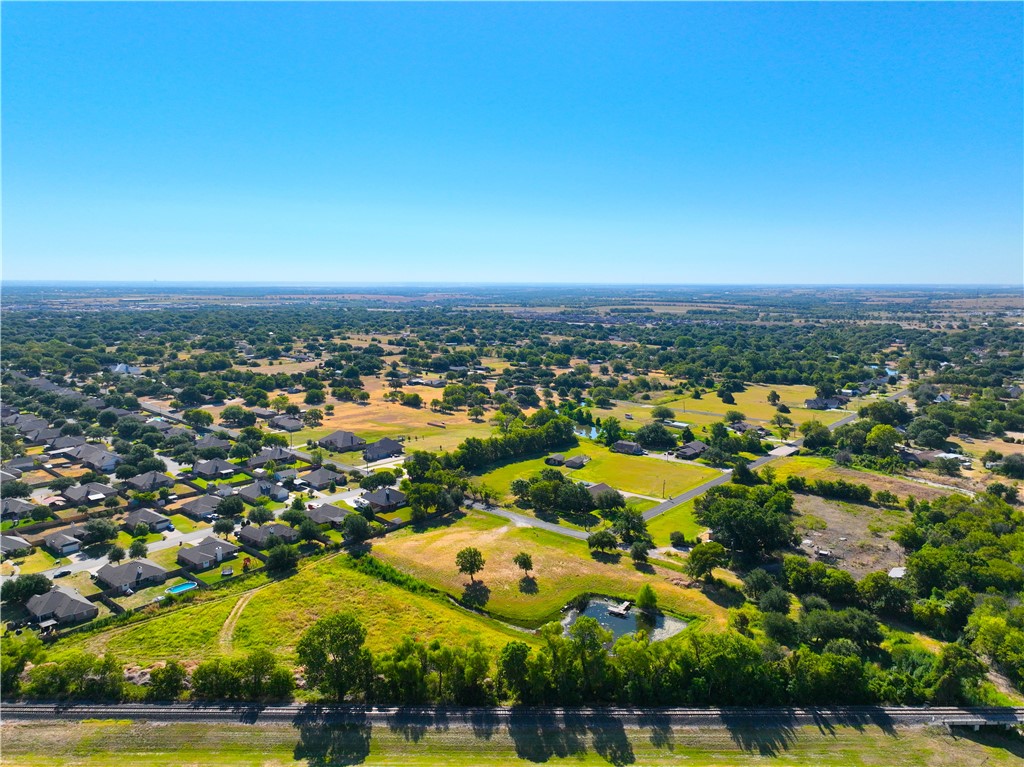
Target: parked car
62,574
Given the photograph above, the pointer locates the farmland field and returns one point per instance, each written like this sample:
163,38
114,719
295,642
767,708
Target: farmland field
112,743
814,467
563,569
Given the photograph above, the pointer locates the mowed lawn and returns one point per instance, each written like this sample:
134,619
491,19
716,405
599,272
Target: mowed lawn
527,740
753,403
630,473
563,569
274,615
680,518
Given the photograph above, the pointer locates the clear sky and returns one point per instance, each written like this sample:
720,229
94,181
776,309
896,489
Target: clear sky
685,143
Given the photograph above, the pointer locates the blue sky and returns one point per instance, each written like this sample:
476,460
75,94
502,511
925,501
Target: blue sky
684,143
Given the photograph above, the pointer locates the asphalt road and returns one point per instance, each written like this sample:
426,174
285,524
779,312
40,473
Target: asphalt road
439,716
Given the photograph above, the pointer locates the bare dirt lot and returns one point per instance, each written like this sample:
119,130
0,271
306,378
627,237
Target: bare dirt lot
858,536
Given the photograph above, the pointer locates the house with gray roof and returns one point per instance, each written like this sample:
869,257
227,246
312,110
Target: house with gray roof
149,482
277,454
12,544
216,468
328,515
341,441
258,536
154,520
201,507
263,487
89,494
60,606
384,500
15,508
207,553
385,447
321,478
62,544
286,423
131,576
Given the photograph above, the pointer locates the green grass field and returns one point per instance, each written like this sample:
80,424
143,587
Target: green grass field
680,518
117,743
563,569
275,615
632,474
37,561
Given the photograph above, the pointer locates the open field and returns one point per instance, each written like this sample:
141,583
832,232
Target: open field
110,743
753,403
815,467
563,569
276,613
629,473
679,518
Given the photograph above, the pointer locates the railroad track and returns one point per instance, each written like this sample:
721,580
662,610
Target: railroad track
454,717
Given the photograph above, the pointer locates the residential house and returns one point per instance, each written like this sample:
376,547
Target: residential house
64,443
328,515
6,476
942,397
691,450
555,460
156,521
277,454
263,414
381,449
59,606
286,423
41,436
207,553
384,500
211,441
627,447
15,508
1014,392
96,458
258,536
124,368
576,462
13,544
742,427
596,489
131,576
149,482
62,544
21,464
88,494
263,487
322,478
203,507
217,468
341,441
823,403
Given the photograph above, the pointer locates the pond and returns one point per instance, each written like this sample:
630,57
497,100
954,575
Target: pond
590,434
658,627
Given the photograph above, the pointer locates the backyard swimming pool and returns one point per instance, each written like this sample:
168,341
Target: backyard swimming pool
181,587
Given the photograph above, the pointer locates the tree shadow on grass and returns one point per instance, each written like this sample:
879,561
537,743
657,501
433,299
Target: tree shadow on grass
723,596
528,585
325,744
538,736
644,567
769,736
436,523
476,594
607,557
610,740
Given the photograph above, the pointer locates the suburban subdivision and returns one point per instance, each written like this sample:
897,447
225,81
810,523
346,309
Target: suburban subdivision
690,529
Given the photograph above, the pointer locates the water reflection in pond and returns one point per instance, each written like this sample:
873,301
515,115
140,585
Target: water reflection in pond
589,433
658,626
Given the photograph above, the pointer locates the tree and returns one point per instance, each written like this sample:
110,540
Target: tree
313,417
166,682
602,540
223,527
662,413
98,530
704,558
646,599
231,507
774,600
882,439
293,516
520,488
638,550
773,397
355,527
314,397
654,436
476,413
138,549
260,515
15,488
197,418
62,483
470,561
611,430
734,416
20,590
116,553
784,424
333,655
523,561
282,558
279,403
